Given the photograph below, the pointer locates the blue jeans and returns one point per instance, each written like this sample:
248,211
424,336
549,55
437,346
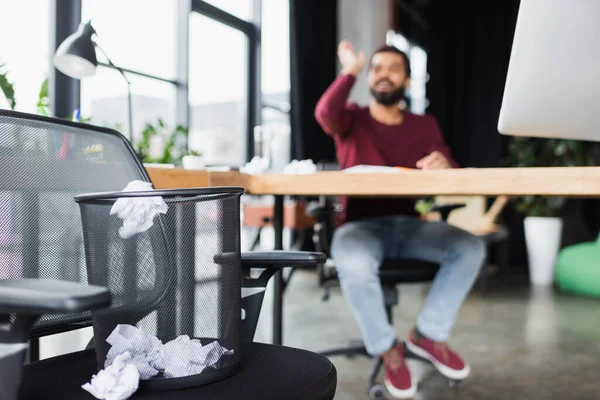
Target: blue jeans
358,248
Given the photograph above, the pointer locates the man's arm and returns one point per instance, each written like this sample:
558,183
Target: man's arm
439,155
331,112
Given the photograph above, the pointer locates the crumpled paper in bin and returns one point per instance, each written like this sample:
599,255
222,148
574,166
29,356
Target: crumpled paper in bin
116,382
137,213
177,358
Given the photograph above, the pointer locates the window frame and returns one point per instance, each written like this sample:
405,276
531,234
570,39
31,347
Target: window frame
252,31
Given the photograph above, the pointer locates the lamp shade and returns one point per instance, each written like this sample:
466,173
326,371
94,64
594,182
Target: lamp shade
76,55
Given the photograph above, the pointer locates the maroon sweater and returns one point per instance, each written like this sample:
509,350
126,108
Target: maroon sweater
361,140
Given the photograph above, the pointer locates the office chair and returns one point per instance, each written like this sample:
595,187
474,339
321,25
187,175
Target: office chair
393,272
44,279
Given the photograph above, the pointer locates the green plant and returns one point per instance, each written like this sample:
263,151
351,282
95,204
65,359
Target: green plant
43,99
7,87
539,152
423,206
172,143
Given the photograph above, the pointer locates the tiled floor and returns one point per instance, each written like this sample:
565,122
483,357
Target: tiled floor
522,343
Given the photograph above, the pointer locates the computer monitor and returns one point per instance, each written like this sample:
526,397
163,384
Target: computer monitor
552,86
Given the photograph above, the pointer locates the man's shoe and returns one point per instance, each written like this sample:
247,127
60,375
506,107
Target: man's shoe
443,358
398,379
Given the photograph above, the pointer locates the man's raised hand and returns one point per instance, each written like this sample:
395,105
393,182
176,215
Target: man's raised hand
352,63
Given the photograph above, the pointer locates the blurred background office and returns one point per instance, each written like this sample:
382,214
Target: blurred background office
215,70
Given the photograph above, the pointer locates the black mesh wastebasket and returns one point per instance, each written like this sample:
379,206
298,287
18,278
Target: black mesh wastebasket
171,260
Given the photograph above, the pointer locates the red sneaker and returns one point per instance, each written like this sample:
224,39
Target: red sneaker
398,379
443,358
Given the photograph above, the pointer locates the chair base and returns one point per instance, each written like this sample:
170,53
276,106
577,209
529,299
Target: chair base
376,390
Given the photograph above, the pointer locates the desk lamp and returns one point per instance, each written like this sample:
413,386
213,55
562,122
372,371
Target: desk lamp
76,57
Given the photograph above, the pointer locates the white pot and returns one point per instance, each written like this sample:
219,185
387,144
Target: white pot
193,162
159,165
542,236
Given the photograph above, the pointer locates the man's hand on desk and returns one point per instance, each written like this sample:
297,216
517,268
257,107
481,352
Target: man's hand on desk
435,160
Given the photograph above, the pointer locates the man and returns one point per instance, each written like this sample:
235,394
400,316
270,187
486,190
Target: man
372,229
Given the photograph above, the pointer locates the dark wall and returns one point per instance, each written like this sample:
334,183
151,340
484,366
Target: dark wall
468,47
313,48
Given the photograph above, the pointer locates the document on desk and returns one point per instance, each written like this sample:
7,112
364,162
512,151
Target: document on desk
368,169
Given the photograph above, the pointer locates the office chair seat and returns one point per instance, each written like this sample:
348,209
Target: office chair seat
395,271
496,236
285,373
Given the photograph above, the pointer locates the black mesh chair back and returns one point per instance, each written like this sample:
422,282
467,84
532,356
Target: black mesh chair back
43,164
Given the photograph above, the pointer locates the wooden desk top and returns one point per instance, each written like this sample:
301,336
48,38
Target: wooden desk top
558,181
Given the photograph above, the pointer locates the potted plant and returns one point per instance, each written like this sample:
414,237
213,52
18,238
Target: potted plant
543,227
161,145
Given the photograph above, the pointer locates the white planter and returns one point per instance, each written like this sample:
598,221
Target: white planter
193,162
159,165
542,237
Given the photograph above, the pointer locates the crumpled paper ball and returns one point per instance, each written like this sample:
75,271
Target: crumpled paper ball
304,167
179,357
137,213
118,381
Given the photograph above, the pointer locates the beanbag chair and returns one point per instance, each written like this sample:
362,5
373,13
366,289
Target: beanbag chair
578,269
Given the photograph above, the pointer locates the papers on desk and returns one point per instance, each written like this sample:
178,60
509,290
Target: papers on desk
369,169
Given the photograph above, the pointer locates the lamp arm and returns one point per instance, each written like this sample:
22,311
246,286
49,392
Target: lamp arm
112,64
122,72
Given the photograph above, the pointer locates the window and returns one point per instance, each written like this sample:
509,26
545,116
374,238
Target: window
25,50
275,29
218,91
223,81
416,94
104,100
243,9
418,81
140,37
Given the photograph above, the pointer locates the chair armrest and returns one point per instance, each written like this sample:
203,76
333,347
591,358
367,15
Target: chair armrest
281,258
22,302
272,261
317,210
446,209
41,296
253,288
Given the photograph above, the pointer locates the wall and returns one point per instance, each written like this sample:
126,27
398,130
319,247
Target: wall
365,24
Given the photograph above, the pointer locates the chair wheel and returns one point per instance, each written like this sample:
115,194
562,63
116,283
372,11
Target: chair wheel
377,392
453,383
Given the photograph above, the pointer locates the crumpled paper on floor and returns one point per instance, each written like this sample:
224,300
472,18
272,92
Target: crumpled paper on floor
137,213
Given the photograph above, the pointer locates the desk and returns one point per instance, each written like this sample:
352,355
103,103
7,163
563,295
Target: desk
554,181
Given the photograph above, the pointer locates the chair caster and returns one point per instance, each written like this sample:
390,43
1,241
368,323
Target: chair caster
377,392
453,383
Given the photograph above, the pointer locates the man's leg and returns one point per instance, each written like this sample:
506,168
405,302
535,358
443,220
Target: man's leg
461,256
358,249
